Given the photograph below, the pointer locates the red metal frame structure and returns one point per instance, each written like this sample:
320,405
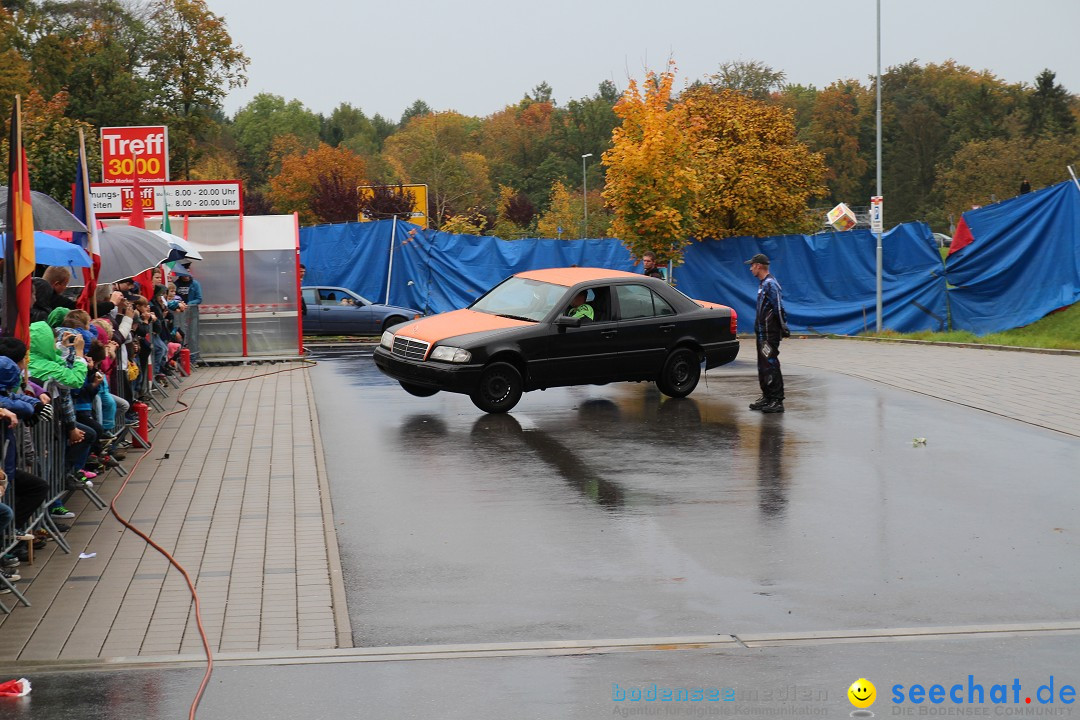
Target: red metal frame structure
299,314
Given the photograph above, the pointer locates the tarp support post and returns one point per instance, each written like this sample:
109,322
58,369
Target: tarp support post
390,267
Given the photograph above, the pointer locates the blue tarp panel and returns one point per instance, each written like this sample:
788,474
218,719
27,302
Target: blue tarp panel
1023,263
829,279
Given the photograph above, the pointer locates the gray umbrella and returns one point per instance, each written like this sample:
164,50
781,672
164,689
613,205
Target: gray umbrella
48,214
127,251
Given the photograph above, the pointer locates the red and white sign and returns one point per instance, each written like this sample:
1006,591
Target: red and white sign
130,151
204,197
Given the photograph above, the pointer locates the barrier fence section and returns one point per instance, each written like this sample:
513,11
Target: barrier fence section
1022,263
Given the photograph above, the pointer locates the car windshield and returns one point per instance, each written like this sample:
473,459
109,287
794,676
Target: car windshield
521,299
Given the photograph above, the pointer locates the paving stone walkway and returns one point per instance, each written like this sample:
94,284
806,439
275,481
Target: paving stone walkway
235,488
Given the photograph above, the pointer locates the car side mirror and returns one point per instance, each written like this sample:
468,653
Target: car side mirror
564,321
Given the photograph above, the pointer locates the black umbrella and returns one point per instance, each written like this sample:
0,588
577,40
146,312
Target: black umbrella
48,214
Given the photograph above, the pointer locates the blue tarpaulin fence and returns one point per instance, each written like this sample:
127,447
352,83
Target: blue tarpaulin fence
1009,276
1023,263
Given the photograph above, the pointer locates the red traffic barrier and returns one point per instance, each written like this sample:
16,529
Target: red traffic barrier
143,428
185,360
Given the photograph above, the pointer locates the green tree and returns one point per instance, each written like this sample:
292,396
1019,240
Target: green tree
192,64
439,149
749,77
1047,108
257,124
419,108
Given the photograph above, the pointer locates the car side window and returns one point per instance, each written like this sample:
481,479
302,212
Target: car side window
635,302
661,306
309,296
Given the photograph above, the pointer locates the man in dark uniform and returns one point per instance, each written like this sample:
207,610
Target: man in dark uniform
770,325
648,261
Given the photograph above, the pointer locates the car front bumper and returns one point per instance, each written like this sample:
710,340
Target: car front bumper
443,376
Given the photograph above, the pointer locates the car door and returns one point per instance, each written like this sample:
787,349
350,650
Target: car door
367,319
336,318
647,325
584,354
313,318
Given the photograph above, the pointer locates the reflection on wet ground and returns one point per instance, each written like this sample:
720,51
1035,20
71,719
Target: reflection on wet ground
614,511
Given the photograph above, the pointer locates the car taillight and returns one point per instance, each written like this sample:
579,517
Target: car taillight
734,322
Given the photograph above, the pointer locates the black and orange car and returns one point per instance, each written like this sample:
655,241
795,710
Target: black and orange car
520,336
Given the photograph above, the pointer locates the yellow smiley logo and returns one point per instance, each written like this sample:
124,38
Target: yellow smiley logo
862,693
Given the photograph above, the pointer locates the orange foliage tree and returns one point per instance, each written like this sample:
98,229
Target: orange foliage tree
319,184
755,177
651,187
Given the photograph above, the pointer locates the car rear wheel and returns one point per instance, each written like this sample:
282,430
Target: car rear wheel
680,374
499,389
391,322
418,390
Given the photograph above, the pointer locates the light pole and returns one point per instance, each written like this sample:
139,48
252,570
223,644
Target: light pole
879,252
585,194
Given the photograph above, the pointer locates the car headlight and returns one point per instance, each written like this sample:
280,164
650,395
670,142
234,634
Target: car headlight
446,353
387,340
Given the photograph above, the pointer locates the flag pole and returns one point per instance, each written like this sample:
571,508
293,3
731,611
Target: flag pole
86,203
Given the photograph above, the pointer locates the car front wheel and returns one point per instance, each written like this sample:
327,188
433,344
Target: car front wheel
499,388
680,374
418,390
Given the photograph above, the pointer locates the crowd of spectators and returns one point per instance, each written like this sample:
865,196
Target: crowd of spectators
82,375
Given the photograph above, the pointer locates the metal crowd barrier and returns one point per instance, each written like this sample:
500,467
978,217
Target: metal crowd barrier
47,462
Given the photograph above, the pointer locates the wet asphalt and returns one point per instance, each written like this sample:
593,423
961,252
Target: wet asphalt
612,511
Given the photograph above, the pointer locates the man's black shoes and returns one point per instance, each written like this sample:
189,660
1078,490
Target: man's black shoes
759,403
773,406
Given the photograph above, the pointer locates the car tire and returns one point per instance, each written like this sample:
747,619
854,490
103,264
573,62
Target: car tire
681,373
499,389
417,390
391,322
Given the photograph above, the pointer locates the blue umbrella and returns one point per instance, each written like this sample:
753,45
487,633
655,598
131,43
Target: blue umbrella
49,250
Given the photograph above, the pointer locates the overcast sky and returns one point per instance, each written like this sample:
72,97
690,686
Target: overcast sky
477,56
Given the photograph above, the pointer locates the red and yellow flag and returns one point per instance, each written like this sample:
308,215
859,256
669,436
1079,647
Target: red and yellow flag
18,237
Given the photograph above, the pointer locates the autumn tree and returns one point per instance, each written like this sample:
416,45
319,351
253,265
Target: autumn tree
514,214
566,210
439,149
651,187
755,176
193,63
51,141
834,131
984,171
316,184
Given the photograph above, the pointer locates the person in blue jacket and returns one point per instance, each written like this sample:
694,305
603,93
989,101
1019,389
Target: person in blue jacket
29,490
190,292
770,326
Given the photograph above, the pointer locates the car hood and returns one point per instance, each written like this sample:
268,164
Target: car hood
457,322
